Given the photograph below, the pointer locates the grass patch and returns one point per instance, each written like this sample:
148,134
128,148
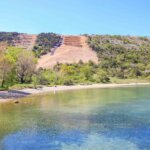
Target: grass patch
127,81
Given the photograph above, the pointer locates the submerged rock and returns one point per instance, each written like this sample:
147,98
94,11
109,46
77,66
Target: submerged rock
16,102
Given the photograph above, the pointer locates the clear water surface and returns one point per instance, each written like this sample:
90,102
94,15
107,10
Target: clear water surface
93,119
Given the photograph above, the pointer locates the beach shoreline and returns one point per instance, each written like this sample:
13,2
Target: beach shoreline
54,89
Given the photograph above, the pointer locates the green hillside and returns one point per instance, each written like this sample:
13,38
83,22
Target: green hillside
122,56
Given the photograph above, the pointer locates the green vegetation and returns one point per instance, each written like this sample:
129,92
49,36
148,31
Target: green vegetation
122,57
45,42
16,66
70,74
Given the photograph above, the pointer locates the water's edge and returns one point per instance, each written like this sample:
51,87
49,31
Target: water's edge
15,94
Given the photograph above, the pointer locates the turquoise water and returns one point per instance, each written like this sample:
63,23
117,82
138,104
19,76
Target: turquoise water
96,119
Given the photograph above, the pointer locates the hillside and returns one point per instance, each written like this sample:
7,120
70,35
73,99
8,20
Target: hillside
25,41
128,42
72,50
65,60
21,40
122,56
126,55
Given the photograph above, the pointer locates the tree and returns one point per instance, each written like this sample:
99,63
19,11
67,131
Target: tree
25,65
5,68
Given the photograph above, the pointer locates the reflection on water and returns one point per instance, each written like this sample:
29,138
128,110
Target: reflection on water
97,119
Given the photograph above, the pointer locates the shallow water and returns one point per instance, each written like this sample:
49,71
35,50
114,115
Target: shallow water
96,119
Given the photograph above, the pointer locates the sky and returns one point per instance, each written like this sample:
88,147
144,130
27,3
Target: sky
119,17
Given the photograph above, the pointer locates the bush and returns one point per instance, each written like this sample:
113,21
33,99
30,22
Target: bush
67,81
101,77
